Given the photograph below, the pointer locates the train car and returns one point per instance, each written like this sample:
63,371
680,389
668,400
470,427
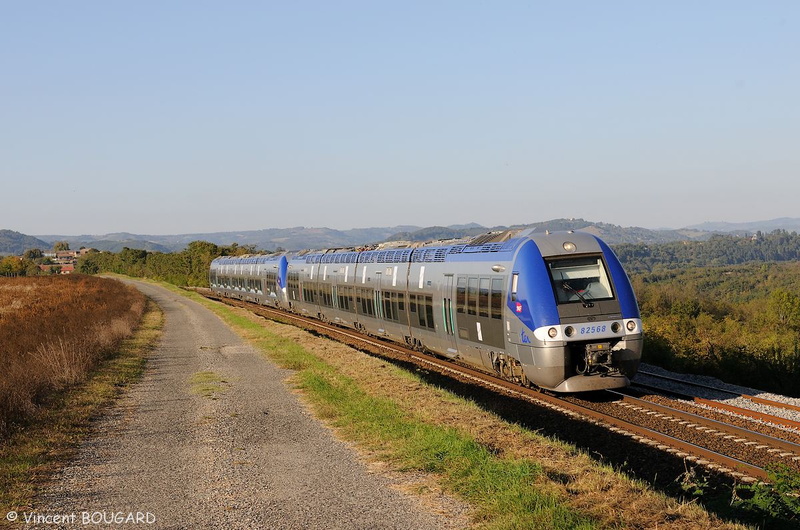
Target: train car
555,310
254,279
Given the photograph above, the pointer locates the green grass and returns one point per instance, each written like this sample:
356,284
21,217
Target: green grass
208,384
502,490
31,452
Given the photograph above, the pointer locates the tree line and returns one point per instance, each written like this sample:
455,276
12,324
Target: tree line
740,323
719,250
188,267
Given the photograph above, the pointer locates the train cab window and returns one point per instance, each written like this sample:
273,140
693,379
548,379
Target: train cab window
580,280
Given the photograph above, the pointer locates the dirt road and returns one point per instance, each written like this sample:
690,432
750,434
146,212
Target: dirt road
247,456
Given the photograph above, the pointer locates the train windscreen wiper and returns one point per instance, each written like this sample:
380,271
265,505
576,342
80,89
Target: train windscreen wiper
567,287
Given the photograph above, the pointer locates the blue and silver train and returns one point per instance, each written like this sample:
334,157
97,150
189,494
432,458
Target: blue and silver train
555,310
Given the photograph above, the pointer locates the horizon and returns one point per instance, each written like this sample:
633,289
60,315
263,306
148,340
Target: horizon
591,221
182,118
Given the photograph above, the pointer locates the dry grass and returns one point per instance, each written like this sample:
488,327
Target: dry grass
30,456
54,331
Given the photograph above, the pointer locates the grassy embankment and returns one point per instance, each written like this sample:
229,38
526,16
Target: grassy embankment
513,477
69,345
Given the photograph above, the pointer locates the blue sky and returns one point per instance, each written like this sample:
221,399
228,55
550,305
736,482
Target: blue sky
180,117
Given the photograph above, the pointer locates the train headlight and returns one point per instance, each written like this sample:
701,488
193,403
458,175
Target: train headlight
616,327
553,332
569,331
631,325
569,246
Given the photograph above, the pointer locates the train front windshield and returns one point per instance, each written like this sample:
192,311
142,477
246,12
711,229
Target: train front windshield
580,280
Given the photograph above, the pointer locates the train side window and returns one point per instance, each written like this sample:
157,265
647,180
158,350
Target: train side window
387,305
497,298
461,295
514,282
421,313
483,298
472,297
395,304
429,311
412,303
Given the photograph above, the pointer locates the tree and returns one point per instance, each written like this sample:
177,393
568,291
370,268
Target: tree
59,246
32,254
12,266
785,308
87,265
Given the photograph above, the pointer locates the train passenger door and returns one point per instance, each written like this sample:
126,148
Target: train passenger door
448,316
378,300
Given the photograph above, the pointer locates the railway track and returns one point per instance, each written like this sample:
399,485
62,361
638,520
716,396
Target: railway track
714,443
771,418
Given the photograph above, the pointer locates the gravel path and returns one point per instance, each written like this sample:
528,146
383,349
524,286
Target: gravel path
250,458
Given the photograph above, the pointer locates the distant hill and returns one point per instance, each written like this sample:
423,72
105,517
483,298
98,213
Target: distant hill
611,234
439,232
300,237
784,223
116,246
295,238
15,243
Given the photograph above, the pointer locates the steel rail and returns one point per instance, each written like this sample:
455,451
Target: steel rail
681,448
771,403
756,399
749,413
771,418
694,420
688,383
